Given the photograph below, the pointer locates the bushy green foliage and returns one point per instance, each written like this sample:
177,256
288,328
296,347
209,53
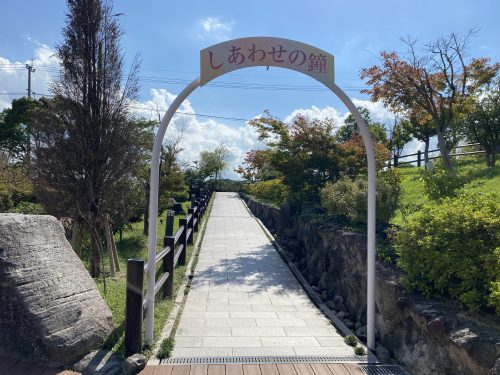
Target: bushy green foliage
273,191
15,185
452,249
359,350
305,153
227,185
351,340
28,208
441,183
348,197
166,348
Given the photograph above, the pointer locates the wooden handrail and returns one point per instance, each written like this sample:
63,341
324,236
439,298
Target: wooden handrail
172,254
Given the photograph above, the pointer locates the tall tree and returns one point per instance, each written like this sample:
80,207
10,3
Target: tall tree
398,136
15,127
215,161
436,82
88,146
350,128
482,123
420,125
257,166
305,153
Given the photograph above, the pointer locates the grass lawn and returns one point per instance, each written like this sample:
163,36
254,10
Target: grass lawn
484,179
113,290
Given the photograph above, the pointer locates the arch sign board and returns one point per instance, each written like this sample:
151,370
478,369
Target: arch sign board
232,55
241,53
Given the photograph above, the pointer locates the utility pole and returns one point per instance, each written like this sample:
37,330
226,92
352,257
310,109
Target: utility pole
30,71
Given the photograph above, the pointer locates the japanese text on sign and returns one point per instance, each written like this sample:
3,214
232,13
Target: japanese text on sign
240,53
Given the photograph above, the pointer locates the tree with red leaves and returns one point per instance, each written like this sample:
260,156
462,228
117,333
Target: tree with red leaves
436,82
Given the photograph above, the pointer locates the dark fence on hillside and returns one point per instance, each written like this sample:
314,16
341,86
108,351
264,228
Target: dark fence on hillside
418,157
172,254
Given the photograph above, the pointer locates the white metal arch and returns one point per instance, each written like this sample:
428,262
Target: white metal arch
153,207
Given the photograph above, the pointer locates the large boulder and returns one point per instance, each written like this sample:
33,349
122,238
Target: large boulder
50,309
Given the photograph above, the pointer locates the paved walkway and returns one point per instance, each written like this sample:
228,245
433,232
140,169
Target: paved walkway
244,300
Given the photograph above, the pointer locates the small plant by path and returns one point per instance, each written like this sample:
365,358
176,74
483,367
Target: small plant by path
359,350
351,340
166,348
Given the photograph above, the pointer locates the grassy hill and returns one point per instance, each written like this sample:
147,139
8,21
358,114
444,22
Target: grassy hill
482,179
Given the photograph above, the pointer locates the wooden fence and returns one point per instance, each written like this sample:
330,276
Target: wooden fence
396,160
172,254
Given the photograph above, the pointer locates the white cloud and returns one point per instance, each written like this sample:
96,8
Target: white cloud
202,134
14,75
214,29
320,113
377,110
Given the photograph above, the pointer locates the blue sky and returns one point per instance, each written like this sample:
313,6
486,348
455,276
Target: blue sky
169,35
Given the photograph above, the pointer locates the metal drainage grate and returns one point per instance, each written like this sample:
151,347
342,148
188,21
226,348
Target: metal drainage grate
270,359
383,370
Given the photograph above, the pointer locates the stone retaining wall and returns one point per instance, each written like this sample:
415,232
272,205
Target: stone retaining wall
426,336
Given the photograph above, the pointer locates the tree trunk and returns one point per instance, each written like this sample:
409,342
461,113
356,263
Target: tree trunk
145,229
76,239
426,151
445,154
109,246
490,157
95,258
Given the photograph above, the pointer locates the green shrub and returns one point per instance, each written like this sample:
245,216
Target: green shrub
452,249
359,350
28,208
441,183
351,340
348,198
166,348
273,191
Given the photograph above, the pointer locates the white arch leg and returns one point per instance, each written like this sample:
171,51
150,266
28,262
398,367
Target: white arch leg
153,205
371,253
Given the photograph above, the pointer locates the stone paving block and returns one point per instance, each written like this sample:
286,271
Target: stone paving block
254,315
308,350
309,331
280,323
275,308
258,331
192,322
202,352
310,314
203,331
188,342
331,341
267,351
230,308
230,323
205,314
231,342
289,341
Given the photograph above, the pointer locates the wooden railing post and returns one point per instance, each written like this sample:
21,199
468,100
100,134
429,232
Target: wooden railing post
168,266
133,311
395,160
196,215
169,227
183,241
419,158
190,225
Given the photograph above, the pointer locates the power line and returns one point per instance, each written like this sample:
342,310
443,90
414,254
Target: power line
222,84
146,108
